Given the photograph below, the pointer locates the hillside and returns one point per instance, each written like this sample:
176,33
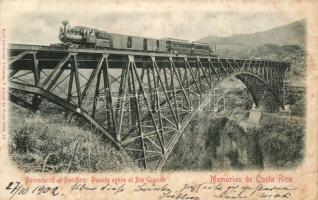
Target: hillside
290,34
221,140
46,142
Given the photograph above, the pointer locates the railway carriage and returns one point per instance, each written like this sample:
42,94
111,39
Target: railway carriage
119,41
177,46
200,48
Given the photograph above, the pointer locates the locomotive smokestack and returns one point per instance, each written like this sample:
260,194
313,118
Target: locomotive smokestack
65,23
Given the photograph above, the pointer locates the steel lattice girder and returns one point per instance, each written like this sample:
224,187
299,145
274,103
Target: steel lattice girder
141,101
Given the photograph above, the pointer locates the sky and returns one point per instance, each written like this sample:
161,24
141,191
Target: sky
42,27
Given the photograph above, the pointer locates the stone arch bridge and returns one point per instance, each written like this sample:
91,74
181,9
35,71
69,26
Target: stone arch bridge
140,101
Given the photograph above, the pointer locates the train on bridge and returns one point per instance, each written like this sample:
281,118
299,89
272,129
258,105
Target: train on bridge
84,37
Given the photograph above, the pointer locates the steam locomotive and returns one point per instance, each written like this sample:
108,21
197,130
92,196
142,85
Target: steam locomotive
84,37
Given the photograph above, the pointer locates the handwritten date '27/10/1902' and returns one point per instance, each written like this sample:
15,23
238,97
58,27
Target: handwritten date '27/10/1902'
18,189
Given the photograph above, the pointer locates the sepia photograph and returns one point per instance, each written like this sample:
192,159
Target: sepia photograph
157,88
102,94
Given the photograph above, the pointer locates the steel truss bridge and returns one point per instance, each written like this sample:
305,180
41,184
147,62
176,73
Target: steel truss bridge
141,101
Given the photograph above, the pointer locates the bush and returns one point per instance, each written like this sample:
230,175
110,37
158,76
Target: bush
281,141
296,99
22,141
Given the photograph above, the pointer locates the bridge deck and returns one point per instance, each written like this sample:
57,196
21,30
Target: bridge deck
39,48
